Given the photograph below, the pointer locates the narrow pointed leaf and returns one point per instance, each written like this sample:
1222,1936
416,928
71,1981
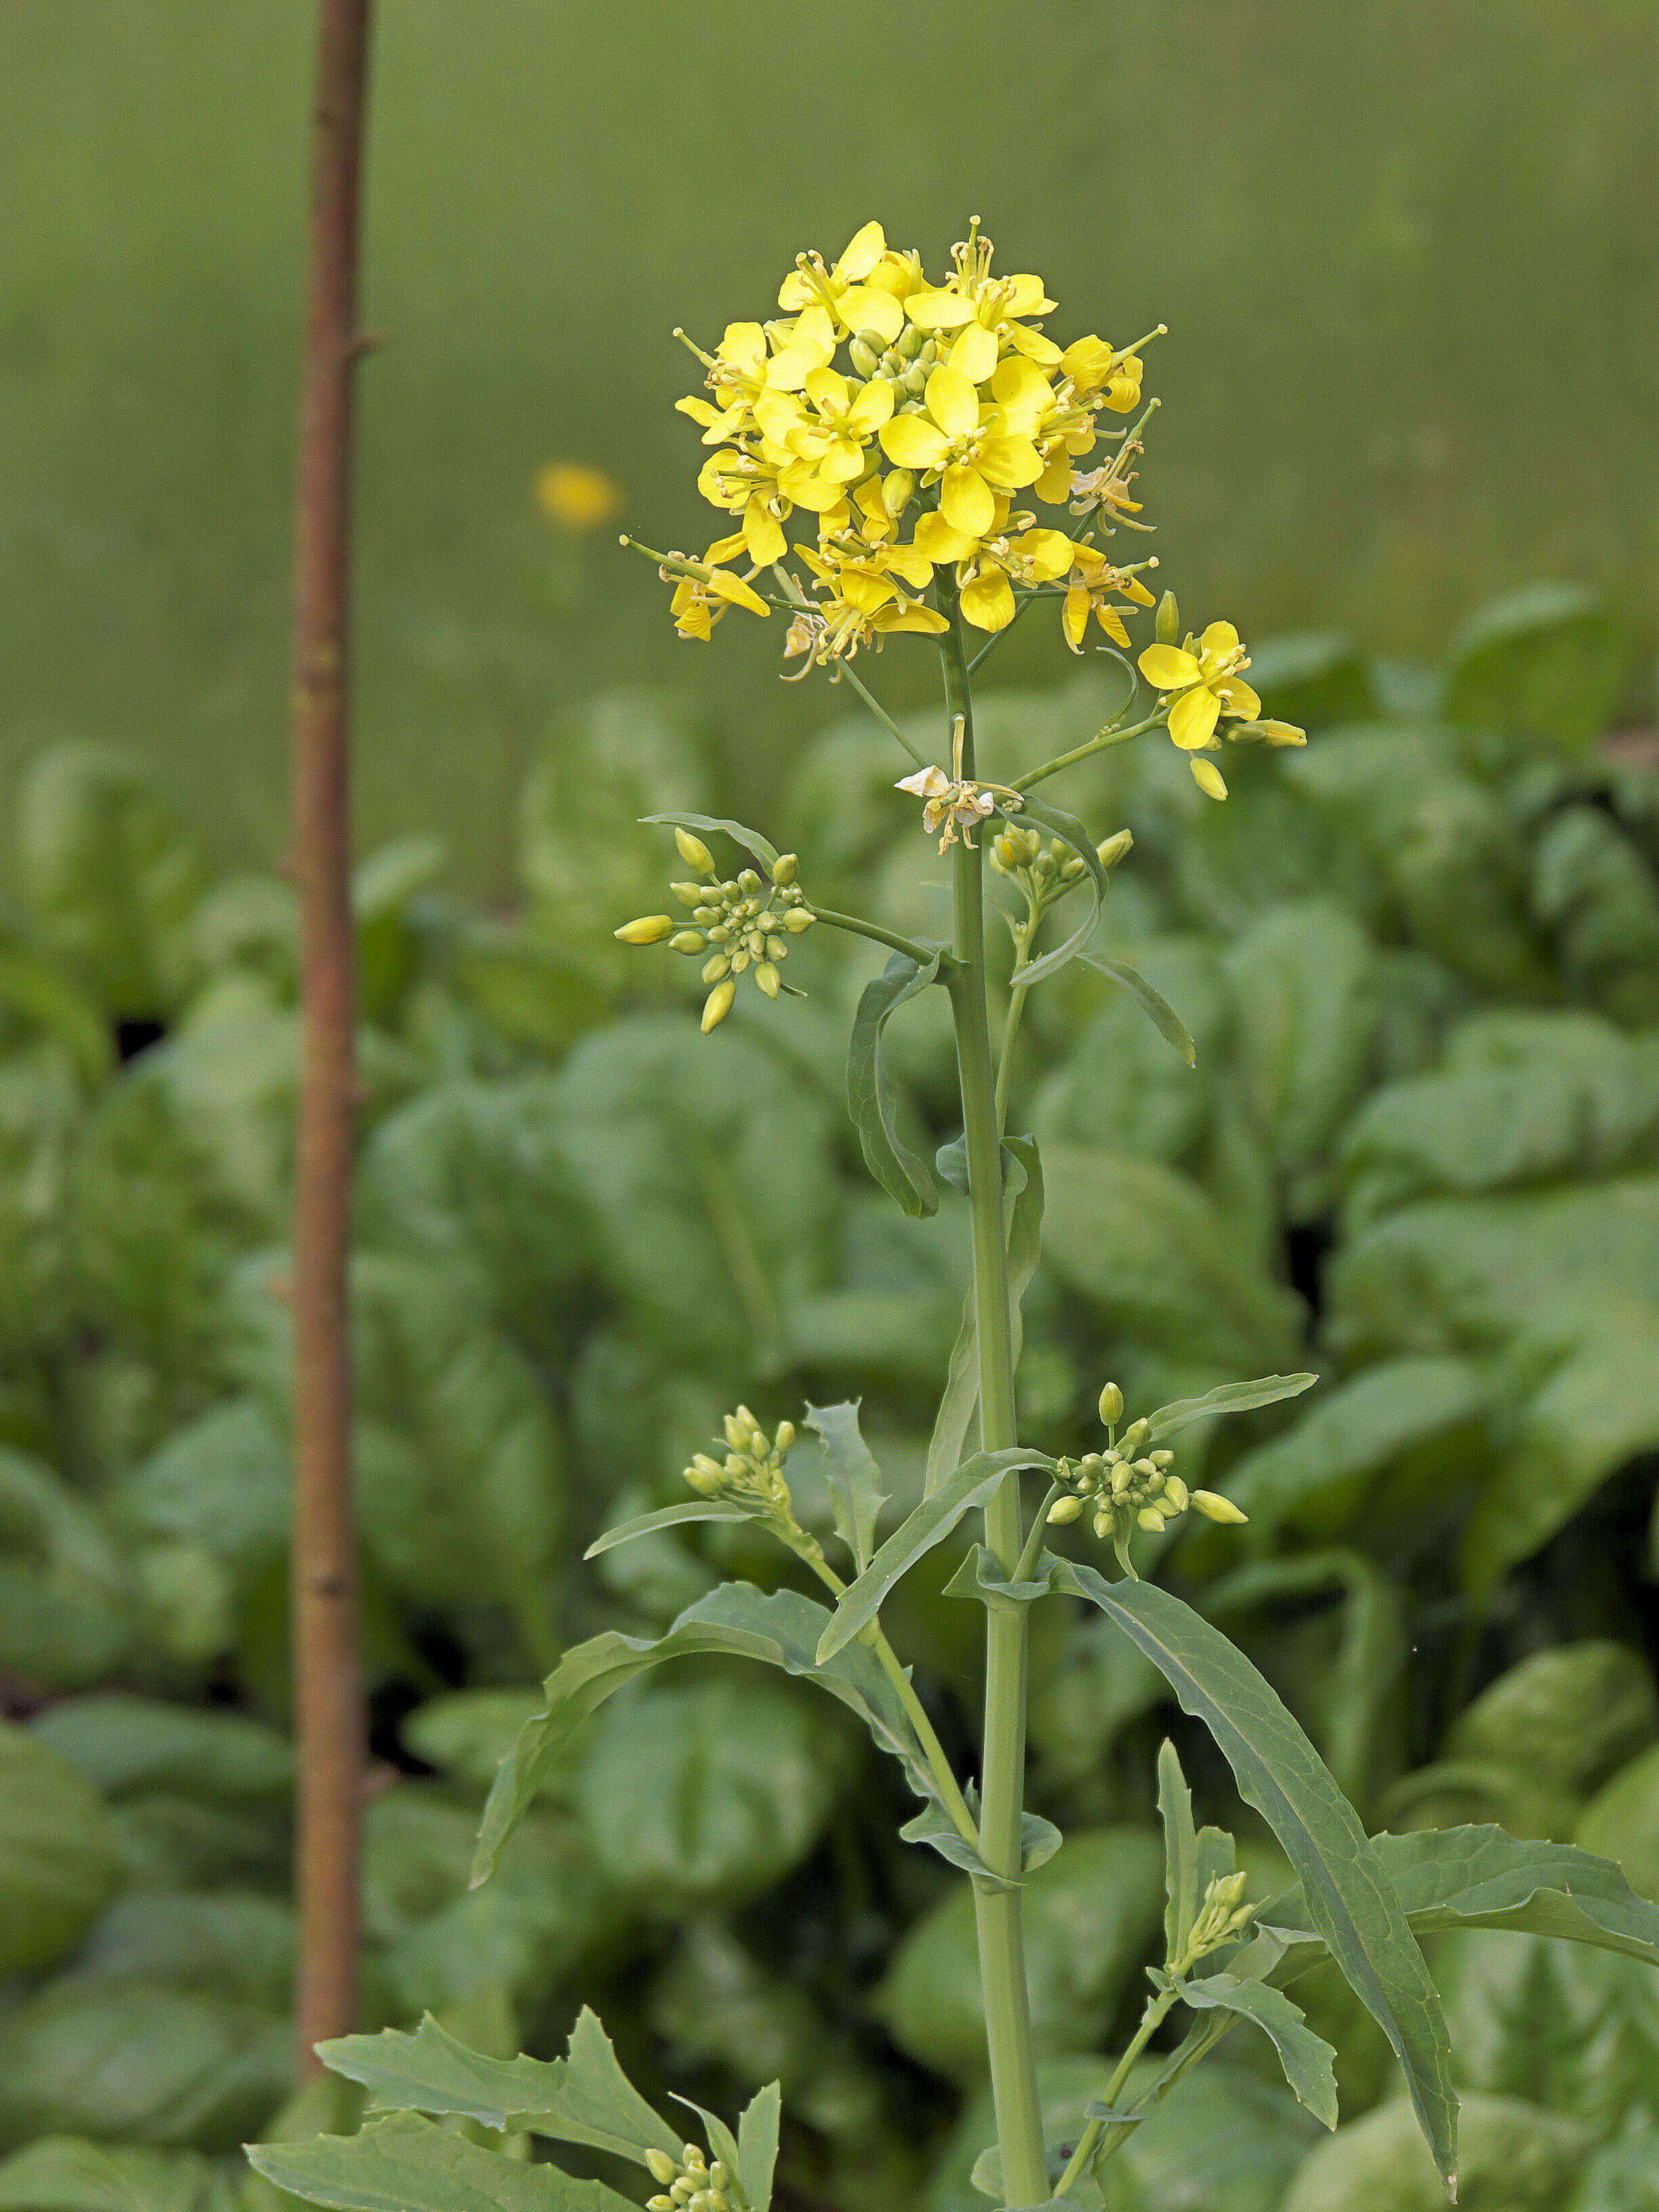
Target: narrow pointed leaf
670,1516
1023,1194
405,2164
1307,2058
782,1630
871,1100
1481,1877
1175,1810
584,2098
1164,1018
932,1521
739,832
855,1490
1229,1398
1070,831
1350,1898
758,2145
722,2143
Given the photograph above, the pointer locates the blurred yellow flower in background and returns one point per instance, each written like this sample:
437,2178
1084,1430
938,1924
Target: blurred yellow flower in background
578,497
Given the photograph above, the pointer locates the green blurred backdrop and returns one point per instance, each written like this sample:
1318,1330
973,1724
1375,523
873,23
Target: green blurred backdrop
1407,248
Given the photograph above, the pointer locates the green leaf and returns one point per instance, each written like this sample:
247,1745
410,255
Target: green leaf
228,1943
1278,1771
1311,678
584,2098
855,1491
1039,1839
1227,1398
757,2146
1622,1821
466,1734
61,2174
668,1516
111,871
782,1630
975,1482
1482,1877
1565,1717
1119,1085
59,1853
44,993
705,1792
405,2164
871,1099
750,840
67,1600
1163,1017
1546,661
1306,2057
1070,831
1594,888
1622,2178
1515,2159
1193,1858
1023,1203
123,1744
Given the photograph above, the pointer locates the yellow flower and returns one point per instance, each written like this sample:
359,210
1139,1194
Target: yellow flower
1206,684
864,574
829,432
987,312
1093,367
842,292
581,498
972,459
744,484
987,571
1092,577
703,590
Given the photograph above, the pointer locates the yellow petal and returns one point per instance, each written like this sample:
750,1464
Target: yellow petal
763,538
873,407
974,353
864,249
1074,616
733,588
743,345
1112,622
1049,551
844,462
1022,391
1027,297
1237,698
828,391
698,409
1167,668
1208,777
912,617
953,402
795,291
911,563
865,307
726,548
1193,718
865,591
989,601
818,494
938,311
779,414
1053,486
965,498
940,542
1218,641
1035,346
1010,463
1133,588
912,441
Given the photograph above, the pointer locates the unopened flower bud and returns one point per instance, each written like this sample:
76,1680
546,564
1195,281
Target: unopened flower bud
785,869
1176,1492
748,881
865,356
695,853
784,1438
714,970
1132,1437
1215,1507
1111,1405
663,2168
1111,850
681,2193
767,976
688,940
659,2204
720,933
718,2199
1064,1509
718,2175
1162,1458
1102,1524
1166,623
1282,733
1150,1518
649,929
798,919
692,895
1207,776
897,489
718,1005
1144,1468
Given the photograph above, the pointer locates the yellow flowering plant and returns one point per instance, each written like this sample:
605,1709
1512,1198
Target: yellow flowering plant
884,447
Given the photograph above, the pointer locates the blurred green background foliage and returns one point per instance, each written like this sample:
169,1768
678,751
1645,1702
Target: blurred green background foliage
1406,252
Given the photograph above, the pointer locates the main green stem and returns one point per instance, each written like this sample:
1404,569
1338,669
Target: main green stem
1001,1948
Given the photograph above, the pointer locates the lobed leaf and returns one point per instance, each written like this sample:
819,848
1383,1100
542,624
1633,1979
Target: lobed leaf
584,2098
871,1099
975,1482
1349,1895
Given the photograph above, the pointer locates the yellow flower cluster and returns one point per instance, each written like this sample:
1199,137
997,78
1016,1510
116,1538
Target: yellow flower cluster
906,422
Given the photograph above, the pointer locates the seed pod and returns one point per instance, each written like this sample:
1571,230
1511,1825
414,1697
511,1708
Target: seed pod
649,929
798,919
688,940
1215,1507
1111,850
718,1005
695,853
1166,623
1111,1405
714,970
767,976
1064,1509
785,869
663,2168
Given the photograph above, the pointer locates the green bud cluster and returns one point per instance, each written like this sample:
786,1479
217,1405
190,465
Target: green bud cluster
751,1472
1019,852
690,2182
905,364
1222,1917
744,923
1127,1487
